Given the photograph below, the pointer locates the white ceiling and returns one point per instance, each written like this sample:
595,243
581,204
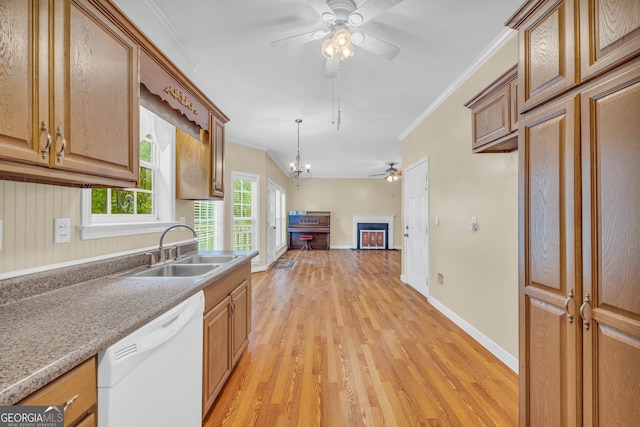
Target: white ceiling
224,46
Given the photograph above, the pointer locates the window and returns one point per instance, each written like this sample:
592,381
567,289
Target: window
279,214
245,212
109,212
209,224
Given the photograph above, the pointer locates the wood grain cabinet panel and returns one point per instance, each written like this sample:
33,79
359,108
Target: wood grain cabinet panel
217,352
227,323
495,116
547,65
217,158
77,390
609,34
70,98
550,149
611,272
192,165
24,88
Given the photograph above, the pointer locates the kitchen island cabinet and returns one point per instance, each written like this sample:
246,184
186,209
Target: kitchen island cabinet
69,94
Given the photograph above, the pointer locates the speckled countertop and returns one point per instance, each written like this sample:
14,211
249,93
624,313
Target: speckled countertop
47,333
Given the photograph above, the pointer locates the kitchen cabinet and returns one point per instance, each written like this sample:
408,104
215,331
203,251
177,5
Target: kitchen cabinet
69,94
200,163
76,391
192,166
217,158
200,135
579,222
568,42
227,323
494,113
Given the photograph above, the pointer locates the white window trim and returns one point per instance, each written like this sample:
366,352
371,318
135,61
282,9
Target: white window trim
128,225
256,236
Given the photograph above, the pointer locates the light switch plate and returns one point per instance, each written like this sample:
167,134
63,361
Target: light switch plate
61,230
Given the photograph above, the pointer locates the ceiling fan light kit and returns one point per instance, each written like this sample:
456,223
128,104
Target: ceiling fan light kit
338,44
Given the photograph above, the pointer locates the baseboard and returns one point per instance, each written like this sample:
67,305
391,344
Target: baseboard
403,279
504,356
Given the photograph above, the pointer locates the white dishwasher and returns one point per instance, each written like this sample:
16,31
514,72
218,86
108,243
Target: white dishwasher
153,377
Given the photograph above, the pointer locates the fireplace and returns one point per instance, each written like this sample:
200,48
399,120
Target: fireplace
372,236
373,231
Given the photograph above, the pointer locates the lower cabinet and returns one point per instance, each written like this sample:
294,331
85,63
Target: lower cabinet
227,323
76,391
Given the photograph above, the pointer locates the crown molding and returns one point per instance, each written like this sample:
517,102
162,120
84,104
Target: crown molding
486,54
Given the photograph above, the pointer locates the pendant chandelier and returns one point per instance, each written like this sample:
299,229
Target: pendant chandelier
296,166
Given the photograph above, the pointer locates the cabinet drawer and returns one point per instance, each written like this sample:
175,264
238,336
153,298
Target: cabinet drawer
80,382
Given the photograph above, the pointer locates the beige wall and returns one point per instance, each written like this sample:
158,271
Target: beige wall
480,268
347,196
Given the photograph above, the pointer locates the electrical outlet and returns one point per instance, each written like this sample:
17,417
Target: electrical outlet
61,230
440,279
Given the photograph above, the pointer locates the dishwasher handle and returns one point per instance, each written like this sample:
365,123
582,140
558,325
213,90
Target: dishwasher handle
168,329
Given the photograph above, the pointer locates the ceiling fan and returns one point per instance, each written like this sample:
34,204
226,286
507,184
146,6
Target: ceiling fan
391,174
343,15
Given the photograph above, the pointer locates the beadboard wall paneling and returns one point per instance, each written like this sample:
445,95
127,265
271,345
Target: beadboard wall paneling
27,211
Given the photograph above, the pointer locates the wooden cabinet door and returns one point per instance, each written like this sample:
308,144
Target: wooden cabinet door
96,108
217,352
192,165
24,82
514,113
491,118
217,158
240,307
547,52
549,250
609,34
611,236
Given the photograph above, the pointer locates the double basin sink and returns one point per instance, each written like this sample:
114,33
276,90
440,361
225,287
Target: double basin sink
194,265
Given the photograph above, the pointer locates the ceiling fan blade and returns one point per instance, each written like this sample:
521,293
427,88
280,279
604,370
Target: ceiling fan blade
375,45
370,10
323,10
378,174
331,68
298,40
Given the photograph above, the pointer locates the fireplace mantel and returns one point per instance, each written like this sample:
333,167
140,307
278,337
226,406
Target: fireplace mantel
372,218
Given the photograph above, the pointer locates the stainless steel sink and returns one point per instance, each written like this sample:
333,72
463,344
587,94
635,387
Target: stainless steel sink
174,270
207,259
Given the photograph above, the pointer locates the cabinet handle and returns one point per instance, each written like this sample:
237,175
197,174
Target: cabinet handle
585,311
70,402
566,305
45,128
233,306
60,153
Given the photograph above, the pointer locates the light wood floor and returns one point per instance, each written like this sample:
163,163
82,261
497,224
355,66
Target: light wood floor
341,341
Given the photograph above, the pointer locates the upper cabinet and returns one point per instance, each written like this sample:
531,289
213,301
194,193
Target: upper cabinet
494,113
69,95
609,34
568,42
200,136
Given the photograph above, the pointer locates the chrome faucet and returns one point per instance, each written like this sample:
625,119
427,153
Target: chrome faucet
161,257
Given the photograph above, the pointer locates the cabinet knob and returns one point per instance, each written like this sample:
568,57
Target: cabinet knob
45,128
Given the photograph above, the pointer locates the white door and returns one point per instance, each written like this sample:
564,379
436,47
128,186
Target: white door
416,229
271,224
